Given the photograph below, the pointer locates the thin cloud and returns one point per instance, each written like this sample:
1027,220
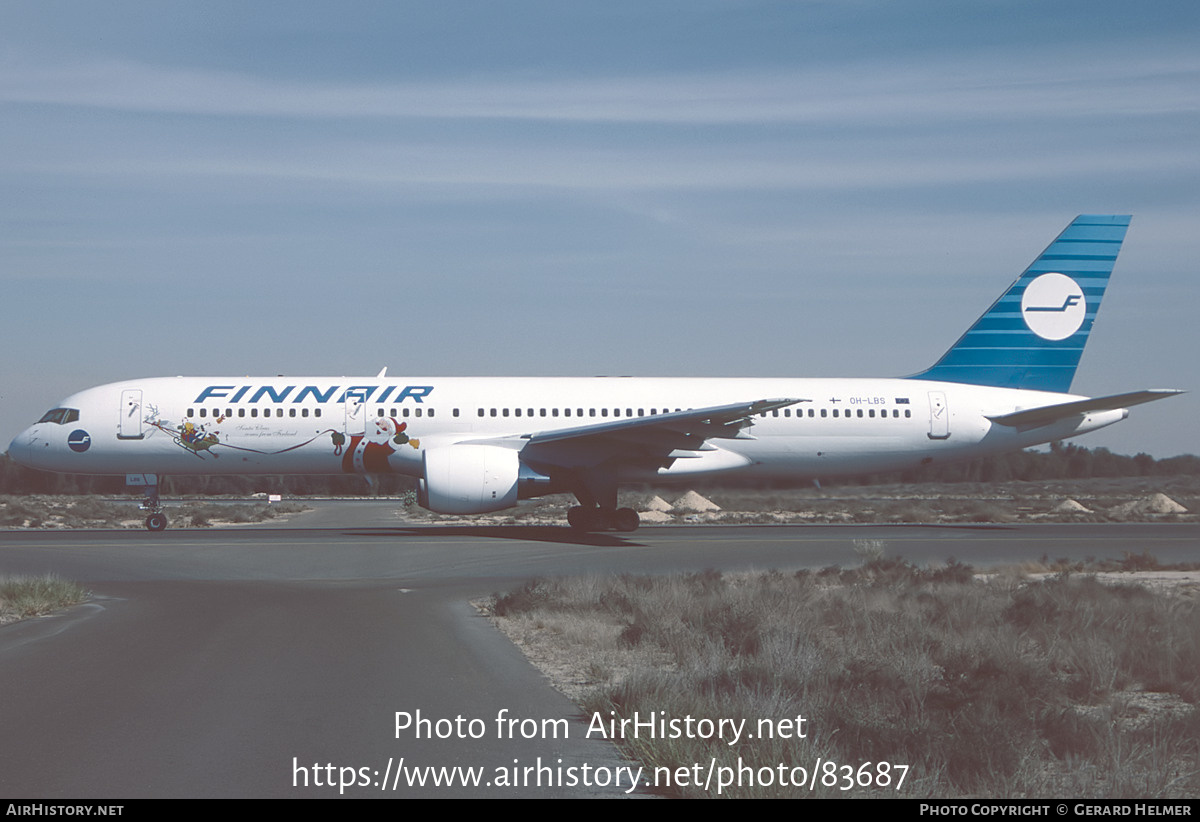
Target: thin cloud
712,167
983,89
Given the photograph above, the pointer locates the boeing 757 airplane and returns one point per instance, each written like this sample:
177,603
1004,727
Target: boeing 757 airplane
481,444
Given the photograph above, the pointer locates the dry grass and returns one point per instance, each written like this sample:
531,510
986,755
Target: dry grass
94,512
24,597
205,515
1105,499
1007,687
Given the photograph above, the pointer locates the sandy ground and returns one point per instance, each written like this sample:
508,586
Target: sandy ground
1135,499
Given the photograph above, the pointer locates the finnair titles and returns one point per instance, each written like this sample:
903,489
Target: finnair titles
477,445
310,393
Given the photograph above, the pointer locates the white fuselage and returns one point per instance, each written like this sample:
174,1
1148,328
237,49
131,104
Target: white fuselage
328,425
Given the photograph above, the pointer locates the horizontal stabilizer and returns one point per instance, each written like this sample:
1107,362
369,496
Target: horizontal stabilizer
1033,417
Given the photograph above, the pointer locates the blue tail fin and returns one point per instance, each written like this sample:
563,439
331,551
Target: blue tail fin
1033,336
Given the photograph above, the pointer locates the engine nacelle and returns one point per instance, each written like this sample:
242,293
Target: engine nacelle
469,479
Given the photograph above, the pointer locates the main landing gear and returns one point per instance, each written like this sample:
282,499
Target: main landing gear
596,490
592,518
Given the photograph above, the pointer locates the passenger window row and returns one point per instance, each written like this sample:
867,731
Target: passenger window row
253,413
65,415
845,413
567,412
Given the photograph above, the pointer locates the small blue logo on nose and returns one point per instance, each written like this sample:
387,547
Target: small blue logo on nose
79,440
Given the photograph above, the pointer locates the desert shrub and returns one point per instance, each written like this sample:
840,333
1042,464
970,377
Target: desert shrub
982,688
20,512
531,595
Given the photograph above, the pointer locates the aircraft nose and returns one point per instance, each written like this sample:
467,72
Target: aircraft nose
20,450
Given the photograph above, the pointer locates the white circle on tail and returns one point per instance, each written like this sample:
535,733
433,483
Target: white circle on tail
1053,306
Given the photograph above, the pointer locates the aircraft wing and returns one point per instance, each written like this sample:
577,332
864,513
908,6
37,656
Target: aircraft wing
653,440
1046,414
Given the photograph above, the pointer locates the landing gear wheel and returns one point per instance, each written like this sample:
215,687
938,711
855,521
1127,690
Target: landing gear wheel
156,522
580,518
583,518
625,519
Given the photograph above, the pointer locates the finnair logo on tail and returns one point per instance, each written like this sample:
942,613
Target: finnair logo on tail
1071,300
1053,306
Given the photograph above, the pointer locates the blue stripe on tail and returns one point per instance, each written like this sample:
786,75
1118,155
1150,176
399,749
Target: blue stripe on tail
1033,336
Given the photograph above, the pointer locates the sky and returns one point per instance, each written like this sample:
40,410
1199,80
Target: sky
565,188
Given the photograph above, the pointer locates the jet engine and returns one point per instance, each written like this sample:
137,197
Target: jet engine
469,479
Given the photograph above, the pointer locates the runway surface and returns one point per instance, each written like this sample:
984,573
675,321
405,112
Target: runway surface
229,663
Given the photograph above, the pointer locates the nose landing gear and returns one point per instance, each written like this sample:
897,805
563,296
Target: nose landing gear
156,520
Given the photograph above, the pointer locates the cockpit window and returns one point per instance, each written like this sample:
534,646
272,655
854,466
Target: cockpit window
62,416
